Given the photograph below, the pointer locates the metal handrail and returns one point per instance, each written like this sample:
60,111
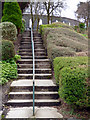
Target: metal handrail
33,70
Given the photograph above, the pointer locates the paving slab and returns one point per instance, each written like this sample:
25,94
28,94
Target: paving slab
29,82
27,112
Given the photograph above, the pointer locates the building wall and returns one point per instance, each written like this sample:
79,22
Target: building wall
68,21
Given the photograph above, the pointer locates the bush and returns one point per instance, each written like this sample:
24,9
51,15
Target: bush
22,28
9,31
55,51
9,71
62,41
71,74
23,25
73,86
12,13
82,25
7,50
61,62
55,25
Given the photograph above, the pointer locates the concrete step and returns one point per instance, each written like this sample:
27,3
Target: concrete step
30,50
28,102
35,40
37,70
30,61
39,65
30,53
36,57
29,95
26,113
37,76
29,42
38,37
25,85
29,47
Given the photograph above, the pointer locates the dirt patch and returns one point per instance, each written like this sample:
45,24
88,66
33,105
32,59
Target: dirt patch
68,112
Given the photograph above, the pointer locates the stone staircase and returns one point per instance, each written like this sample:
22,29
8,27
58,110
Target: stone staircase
21,90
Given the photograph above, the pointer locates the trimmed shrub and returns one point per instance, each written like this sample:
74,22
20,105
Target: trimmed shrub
55,51
9,31
61,62
63,41
55,25
72,76
73,86
12,13
7,50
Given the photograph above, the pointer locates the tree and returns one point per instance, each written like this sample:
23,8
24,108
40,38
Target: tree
12,13
36,10
82,12
52,6
22,5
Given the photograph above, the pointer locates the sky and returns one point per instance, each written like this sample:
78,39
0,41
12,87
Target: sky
71,8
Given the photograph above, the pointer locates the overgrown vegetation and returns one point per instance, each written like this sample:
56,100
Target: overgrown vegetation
71,73
61,40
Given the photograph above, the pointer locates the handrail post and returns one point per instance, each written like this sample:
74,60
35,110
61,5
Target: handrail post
33,71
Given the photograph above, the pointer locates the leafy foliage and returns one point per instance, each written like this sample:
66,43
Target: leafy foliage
8,71
7,50
17,57
9,31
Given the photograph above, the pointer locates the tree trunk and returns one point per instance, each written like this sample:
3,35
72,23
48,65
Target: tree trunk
38,23
48,18
18,30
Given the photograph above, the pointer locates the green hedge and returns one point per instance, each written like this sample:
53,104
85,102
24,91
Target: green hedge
61,62
8,71
73,86
71,73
